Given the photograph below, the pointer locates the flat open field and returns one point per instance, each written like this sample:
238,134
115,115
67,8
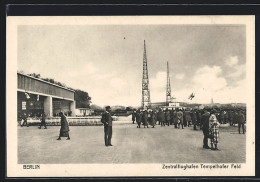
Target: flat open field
131,145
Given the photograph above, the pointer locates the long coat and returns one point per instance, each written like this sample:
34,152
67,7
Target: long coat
145,118
240,118
133,116
64,129
194,117
180,116
153,118
167,116
187,116
175,118
205,121
107,119
138,117
160,116
64,124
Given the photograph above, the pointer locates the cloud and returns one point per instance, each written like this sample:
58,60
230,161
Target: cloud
206,82
180,76
209,78
84,70
231,61
158,87
237,71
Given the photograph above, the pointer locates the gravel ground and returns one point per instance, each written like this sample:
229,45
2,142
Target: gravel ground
130,145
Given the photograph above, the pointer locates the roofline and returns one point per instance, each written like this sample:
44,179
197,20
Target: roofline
46,82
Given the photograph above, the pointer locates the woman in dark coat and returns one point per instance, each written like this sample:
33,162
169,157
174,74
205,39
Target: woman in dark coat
64,130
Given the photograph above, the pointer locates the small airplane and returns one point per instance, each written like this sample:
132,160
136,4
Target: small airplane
192,95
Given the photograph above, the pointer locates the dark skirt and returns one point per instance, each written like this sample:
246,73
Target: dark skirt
64,133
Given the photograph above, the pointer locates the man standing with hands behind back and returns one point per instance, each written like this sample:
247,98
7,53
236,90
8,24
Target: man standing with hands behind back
107,121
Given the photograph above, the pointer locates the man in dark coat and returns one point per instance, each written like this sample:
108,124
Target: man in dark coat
107,121
188,118
133,117
64,130
145,118
138,118
198,118
167,117
161,117
205,128
194,119
153,118
184,118
180,118
24,118
172,118
241,121
43,123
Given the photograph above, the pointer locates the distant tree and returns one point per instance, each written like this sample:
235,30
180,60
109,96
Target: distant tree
82,99
96,107
35,75
129,108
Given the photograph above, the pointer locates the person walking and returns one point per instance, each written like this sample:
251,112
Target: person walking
107,121
64,130
43,123
24,118
205,128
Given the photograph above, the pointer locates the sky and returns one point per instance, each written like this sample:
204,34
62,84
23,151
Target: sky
106,60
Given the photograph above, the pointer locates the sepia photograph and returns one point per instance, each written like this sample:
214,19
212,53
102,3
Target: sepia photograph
134,95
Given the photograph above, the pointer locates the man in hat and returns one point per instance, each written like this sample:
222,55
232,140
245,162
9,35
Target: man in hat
107,121
205,128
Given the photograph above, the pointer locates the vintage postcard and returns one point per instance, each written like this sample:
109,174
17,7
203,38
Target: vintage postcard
124,96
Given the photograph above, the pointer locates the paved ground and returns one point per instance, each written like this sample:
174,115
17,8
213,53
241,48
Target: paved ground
131,145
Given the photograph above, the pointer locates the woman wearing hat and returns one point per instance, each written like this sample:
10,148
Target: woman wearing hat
64,130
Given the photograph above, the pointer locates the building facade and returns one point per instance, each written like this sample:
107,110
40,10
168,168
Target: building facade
35,96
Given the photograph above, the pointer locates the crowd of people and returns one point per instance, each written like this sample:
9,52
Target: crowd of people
208,120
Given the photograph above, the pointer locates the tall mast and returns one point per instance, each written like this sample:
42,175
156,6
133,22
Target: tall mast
145,83
168,87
